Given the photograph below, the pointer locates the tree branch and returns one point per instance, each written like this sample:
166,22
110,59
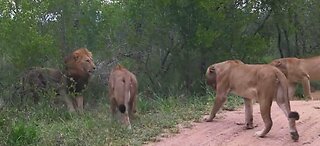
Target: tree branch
263,22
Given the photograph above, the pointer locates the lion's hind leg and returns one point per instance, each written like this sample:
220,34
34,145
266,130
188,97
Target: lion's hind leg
132,106
292,117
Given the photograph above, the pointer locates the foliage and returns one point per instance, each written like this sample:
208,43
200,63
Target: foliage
21,39
21,134
168,44
232,103
46,124
299,92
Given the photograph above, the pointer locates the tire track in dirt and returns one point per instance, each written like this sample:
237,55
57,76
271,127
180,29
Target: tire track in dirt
224,130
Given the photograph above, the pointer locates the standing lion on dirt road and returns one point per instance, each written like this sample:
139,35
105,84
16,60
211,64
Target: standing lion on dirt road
123,88
260,82
67,84
299,71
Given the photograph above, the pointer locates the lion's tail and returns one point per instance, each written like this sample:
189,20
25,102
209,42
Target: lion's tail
122,108
284,85
294,115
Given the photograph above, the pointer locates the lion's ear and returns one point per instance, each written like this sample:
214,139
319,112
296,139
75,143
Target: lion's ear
71,57
76,56
119,66
238,61
212,69
278,63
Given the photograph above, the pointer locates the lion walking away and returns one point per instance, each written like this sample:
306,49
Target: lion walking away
299,70
260,82
123,87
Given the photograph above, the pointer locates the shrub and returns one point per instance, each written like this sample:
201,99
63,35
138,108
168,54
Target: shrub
22,134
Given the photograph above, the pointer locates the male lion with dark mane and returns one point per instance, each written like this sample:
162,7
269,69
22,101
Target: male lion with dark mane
123,88
261,82
299,71
68,83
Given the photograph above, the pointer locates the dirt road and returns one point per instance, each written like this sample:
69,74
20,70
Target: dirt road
224,130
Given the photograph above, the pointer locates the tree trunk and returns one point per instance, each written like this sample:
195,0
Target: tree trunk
203,69
76,23
63,38
296,25
297,52
279,41
287,42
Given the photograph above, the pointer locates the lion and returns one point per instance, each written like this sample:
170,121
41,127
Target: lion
79,67
299,71
260,82
39,80
68,83
123,87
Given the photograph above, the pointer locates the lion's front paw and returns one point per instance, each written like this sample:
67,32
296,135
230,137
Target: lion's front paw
208,119
249,126
129,127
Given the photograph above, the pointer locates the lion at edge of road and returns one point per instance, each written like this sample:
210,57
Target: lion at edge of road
299,71
123,88
67,84
260,82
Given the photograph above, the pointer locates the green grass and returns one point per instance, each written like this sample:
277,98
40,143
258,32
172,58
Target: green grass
44,124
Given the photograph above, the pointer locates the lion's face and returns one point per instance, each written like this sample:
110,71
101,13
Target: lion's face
87,64
81,60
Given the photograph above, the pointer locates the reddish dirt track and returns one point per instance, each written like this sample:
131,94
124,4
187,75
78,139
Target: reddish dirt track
224,130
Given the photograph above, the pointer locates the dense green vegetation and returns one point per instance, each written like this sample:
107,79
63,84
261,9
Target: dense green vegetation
168,44
47,124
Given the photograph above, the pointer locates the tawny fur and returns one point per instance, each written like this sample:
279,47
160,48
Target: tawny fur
123,88
79,67
260,82
299,71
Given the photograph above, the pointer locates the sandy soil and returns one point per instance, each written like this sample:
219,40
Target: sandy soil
225,130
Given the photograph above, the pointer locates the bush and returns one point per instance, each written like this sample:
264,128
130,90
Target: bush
299,92
22,134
